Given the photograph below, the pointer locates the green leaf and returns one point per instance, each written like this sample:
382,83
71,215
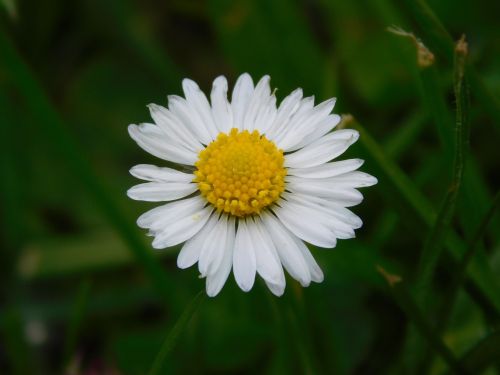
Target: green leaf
484,354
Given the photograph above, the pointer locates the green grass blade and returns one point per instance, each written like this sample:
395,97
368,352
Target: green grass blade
61,139
484,354
481,276
405,135
433,246
124,16
76,319
278,31
424,327
57,258
464,262
14,344
175,332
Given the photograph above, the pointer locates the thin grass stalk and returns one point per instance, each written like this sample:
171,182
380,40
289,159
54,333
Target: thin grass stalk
461,271
439,40
76,321
406,302
422,208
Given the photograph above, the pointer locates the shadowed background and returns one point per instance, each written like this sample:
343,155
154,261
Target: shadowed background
83,292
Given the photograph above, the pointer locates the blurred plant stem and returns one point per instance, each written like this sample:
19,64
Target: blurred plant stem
413,312
405,135
135,32
480,275
433,245
460,273
14,343
482,355
291,324
173,335
75,323
61,139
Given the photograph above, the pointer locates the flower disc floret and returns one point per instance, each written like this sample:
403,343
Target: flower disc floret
241,173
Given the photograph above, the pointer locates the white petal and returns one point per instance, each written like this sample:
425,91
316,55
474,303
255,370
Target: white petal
198,101
322,150
150,138
290,255
187,116
242,93
276,289
287,108
314,269
217,279
303,124
328,169
221,109
306,224
341,213
266,115
355,179
345,197
161,174
329,123
211,253
182,229
174,130
259,99
319,213
268,264
162,216
161,191
190,252
244,263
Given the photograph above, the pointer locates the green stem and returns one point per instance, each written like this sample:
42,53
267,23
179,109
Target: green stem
415,315
433,246
76,319
390,173
464,262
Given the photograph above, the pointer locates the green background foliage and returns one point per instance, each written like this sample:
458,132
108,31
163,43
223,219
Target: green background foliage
81,289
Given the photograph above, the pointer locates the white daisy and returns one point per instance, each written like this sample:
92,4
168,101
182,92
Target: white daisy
255,181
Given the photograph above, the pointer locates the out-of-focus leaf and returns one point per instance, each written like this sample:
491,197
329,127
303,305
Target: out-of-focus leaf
486,353
61,138
269,37
175,332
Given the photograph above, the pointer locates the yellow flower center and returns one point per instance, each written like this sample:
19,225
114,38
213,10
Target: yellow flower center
241,172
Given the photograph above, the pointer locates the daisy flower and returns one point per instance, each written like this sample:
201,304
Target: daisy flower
252,182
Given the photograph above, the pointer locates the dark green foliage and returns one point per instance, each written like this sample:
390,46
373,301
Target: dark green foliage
81,289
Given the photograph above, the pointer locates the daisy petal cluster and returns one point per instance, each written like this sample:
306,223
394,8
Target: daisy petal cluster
254,181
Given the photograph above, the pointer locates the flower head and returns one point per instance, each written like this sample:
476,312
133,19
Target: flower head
254,181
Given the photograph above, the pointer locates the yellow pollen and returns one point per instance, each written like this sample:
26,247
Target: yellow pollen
241,173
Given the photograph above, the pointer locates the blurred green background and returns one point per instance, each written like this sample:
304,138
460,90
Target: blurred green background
81,290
